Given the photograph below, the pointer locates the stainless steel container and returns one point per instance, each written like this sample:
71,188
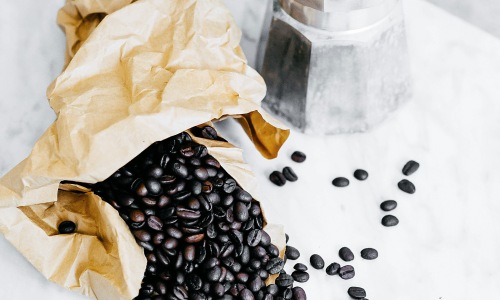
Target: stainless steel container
335,66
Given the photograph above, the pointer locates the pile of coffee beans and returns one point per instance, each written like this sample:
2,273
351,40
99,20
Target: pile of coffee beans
202,233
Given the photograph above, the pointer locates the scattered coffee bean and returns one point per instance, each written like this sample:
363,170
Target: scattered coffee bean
360,174
292,253
66,227
406,186
410,167
388,205
346,254
390,221
356,292
317,262
300,276
300,267
369,253
209,132
333,269
289,174
346,272
340,182
298,156
277,178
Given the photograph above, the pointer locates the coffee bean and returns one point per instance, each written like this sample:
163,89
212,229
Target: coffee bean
126,200
284,280
189,253
390,221
369,253
66,227
254,237
142,235
346,272
256,284
292,253
340,182
333,269
170,243
298,156
246,294
229,185
174,232
200,173
300,276
388,205
272,289
192,239
317,262
243,196
277,178
410,167
153,186
299,293
180,170
265,239
356,292
214,274
300,267
406,186
360,174
155,223
209,132
346,254
188,214
289,174
241,212
274,265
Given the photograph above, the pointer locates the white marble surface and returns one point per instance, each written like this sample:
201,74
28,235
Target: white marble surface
446,246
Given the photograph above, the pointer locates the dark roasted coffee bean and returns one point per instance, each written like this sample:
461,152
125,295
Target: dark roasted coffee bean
146,245
243,196
200,151
340,182
256,284
166,212
155,171
346,272
194,282
180,292
229,185
287,293
212,172
163,201
200,173
300,276
390,221
317,262
258,251
228,200
346,254
299,293
146,290
284,280
356,292
298,156
254,237
254,210
188,214
265,239
289,174
218,289
195,162
196,187
277,178
272,289
196,238
292,253
210,161
189,252
137,225
242,277
193,204
141,190
158,238
241,212
246,294
333,269
360,174
213,198
161,258
259,222
155,223
174,232
273,250
300,267
369,253
410,167
125,200
208,132
170,243
388,205
406,186
263,274
142,235
180,170
214,274
183,195
255,264
66,227
153,186
187,151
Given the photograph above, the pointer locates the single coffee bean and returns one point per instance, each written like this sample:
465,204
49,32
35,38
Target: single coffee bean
272,289
300,267
277,178
188,214
369,253
340,182
356,292
189,253
180,170
126,200
284,280
317,262
200,173
406,186
346,272
170,243
229,185
174,232
300,276
246,294
142,235
241,211
346,254
196,238
292,253
243,196
153,186
299,293
289,174
388,205
360,174
333,269
155,223
410,167
256,284
287,237
275,265
389,221
254,237
214,274
209,132
66,227
298,156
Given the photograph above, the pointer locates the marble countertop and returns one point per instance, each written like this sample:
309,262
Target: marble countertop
445,246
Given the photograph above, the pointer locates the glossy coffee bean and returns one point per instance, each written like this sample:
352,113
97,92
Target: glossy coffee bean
369,253
356,292
333,269
241,212
209,132
277,178
360,174
340,182
300,267
66,227
274,265
284,280
410,167
155,223
346,254
346,272
254,237
300,276
292,253
298,156
289,174
317,262
229,185
406,186
388,205
299,293
389,221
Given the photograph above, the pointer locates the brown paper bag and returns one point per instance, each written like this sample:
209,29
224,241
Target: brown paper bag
149,70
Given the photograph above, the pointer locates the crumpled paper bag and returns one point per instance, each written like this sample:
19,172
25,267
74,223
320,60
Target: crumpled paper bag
148,71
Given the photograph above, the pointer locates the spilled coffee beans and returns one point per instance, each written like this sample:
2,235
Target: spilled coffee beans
66,227
388,205
369,253
289,174
360,174
277,178
298,156
346,254
410,167
406,186
317,262
356,292
340,182
390,221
